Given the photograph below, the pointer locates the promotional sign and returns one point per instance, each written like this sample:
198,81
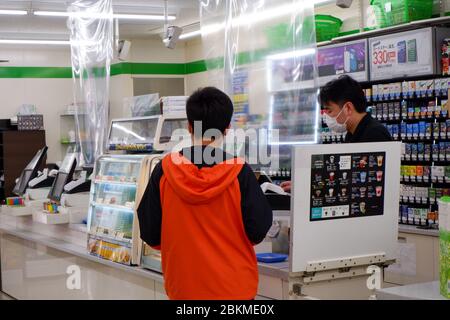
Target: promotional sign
348,58
240,97
347,185
403,54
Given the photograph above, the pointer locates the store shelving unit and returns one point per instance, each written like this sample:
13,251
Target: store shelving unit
419,120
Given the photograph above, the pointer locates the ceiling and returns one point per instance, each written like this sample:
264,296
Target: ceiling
37,27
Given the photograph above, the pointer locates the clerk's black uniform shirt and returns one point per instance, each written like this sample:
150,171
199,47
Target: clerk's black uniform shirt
369,130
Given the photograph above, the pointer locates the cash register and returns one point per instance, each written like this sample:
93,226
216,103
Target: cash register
68,198
30,175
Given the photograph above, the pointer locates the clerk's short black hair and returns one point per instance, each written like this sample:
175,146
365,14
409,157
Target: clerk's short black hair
342,90
210,106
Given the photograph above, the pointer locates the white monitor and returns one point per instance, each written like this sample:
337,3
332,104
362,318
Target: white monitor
345,202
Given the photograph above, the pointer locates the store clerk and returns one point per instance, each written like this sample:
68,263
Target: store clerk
345,105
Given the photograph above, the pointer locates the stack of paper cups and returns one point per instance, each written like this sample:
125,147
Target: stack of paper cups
444,239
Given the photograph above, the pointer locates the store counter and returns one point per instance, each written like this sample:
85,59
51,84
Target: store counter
419,231
417,256
41,261
420,291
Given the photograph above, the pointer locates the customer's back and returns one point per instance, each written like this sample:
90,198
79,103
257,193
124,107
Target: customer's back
205,210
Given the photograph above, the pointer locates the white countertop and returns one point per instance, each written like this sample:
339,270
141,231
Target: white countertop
415,230
72,239
420,291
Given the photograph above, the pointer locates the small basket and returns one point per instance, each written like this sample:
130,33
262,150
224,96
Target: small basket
327,27
393,12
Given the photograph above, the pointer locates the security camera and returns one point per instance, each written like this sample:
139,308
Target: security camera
344,3
123,50
172,35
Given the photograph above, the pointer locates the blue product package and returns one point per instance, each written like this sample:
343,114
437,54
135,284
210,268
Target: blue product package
422,128
410,215
407,149
405,214
443,129
442,148
420,148
353,61
415,129
401,51
403,129
271,257
435,150
395,129
413,149
409,129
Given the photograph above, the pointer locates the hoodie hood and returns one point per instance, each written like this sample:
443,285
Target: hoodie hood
196,185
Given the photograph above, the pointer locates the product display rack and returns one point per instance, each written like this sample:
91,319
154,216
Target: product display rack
112,207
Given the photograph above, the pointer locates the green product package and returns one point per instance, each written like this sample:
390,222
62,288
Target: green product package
412,50
447,171
444,246
431,193
444,257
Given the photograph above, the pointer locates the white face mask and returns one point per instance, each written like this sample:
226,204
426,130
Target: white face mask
334,125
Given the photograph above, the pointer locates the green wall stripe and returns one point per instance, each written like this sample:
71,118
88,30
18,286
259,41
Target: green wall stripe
35,72
196,66
158,68
116,69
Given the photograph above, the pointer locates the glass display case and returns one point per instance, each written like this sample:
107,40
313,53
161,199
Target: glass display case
119,183
136,134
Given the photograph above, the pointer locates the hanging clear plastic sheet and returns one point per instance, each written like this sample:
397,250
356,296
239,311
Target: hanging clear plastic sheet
91,35
141,106
262,53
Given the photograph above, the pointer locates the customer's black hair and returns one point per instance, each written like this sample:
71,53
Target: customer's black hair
342,90
210,106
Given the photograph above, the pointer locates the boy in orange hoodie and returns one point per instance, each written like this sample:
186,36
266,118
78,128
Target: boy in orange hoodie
205,210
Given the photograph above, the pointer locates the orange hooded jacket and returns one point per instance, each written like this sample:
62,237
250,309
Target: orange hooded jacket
207,227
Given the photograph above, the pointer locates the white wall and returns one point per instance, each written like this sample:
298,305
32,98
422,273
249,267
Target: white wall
153,50
49,95
194,52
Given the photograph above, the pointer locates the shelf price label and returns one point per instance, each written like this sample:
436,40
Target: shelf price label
383,57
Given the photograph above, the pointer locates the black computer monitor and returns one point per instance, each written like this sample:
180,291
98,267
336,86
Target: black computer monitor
30,172
64,176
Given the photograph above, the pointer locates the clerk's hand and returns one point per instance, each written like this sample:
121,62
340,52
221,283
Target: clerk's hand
286,185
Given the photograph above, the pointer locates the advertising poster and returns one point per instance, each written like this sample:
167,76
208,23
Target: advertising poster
403,54
348,58
347,185
240,97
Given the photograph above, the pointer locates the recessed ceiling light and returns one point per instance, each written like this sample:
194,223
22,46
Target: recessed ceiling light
123,16
13,12
22,41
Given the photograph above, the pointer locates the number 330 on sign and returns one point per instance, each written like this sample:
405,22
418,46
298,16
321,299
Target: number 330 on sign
381,57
